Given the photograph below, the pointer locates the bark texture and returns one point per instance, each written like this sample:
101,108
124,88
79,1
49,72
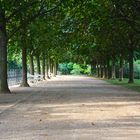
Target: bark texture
121,69
113,73
3,55
131,66
43,65
31,64
24,82
38,64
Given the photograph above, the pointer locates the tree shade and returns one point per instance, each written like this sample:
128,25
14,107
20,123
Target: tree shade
100,33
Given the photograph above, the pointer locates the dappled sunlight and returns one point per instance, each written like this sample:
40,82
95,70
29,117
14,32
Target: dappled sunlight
78,109
90,111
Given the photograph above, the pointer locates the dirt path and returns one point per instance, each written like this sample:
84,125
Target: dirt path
70,108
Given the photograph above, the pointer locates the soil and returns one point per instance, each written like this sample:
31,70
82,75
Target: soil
70,108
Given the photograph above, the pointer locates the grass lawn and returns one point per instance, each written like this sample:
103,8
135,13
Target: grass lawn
135,86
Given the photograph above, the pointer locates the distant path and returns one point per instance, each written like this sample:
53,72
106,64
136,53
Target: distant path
70,108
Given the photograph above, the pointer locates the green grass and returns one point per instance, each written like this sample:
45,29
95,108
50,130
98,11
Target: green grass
134,86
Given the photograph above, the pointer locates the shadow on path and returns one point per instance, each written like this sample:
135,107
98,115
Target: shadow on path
70,108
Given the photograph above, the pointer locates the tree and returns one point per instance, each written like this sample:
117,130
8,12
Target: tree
10,13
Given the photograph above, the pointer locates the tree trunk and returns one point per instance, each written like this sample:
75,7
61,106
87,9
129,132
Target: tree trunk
31,64
48,68
131,66
3,56
43,65
92,69
51,66
131,57
113,73
46,65
98,71
24,67
121,69
54,69
108,70
102,70
38,64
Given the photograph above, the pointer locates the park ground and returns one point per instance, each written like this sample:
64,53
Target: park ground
70,108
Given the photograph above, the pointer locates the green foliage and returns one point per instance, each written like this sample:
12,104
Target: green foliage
73,68
70,66
76,69
63,68
87,70
136,70
13,65
76,31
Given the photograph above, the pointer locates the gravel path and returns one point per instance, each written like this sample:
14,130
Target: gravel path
70,108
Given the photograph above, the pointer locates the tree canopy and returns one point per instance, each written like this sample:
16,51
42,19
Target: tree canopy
96,32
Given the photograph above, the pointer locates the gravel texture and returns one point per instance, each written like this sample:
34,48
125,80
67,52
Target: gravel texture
70,108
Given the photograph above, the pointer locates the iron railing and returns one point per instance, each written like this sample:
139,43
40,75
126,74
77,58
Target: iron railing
14,77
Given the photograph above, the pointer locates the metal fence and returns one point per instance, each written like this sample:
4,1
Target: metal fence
14,77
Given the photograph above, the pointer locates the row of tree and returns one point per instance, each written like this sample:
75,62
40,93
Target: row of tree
96,32
16,19
118,38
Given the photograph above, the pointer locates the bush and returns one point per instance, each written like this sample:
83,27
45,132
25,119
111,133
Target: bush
74,68
63,68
